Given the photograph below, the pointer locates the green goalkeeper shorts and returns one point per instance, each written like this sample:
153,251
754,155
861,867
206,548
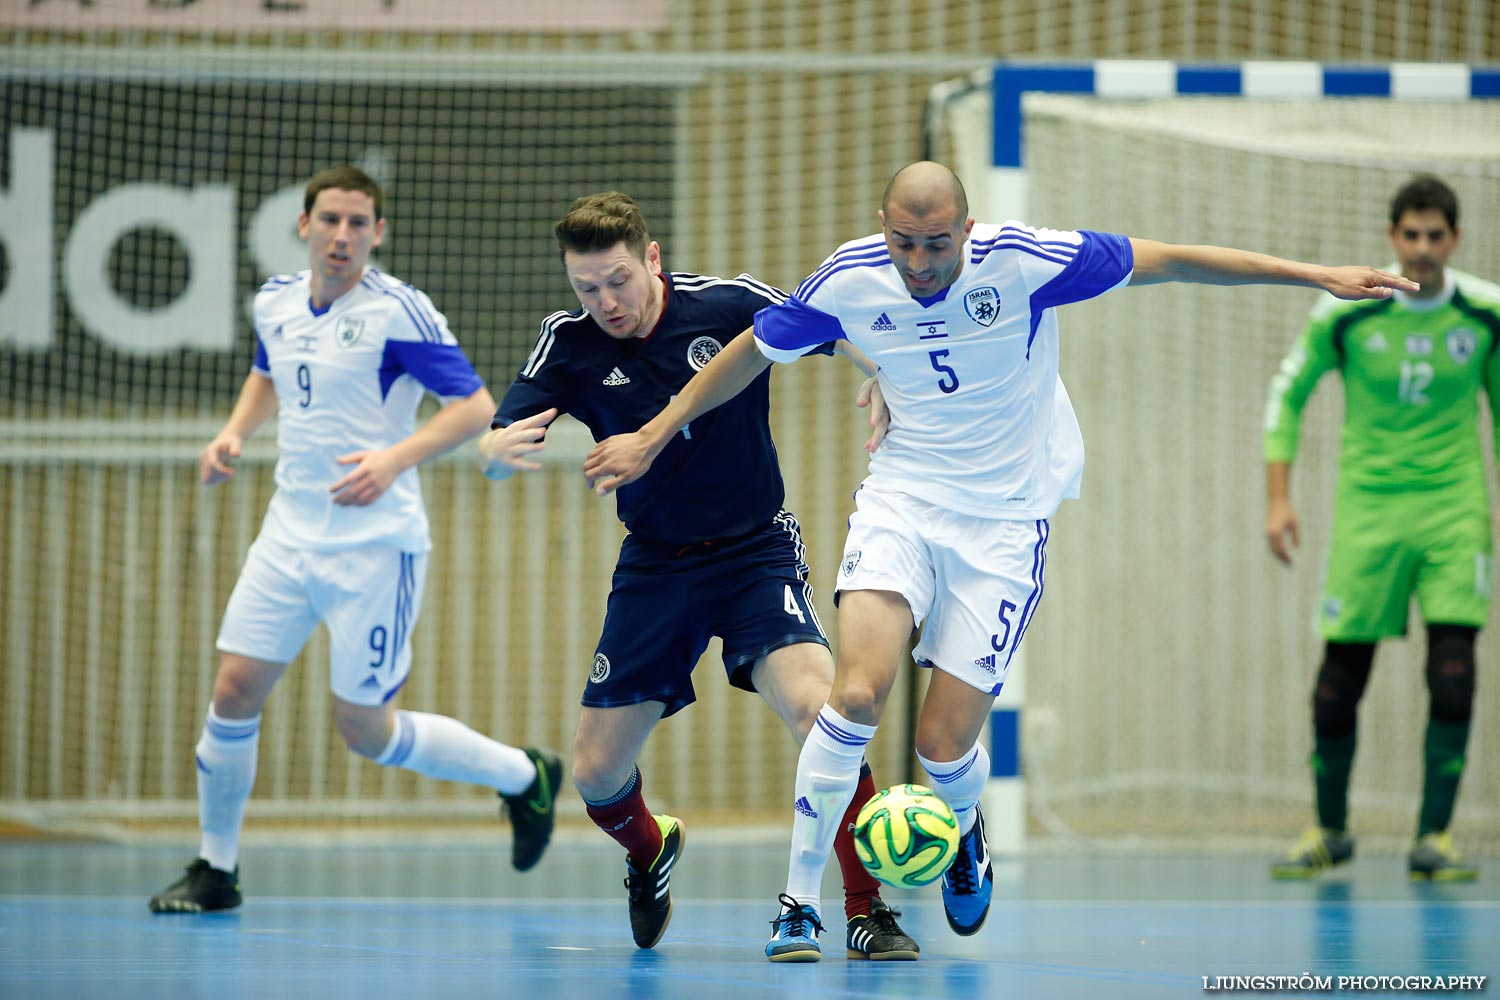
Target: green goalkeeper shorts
1389,548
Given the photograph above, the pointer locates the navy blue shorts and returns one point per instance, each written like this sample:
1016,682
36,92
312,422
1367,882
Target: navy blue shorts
666,603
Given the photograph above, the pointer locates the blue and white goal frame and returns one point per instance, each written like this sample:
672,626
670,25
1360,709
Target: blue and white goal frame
1006,197
1131,78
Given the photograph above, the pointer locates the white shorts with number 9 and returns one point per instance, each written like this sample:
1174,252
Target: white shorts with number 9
973,583
368,596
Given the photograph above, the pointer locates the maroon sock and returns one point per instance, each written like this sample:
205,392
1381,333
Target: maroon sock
626,818
859,885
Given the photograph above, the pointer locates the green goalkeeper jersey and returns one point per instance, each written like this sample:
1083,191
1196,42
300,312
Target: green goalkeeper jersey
1412,372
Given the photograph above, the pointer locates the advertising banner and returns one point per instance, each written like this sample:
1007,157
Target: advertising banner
137,218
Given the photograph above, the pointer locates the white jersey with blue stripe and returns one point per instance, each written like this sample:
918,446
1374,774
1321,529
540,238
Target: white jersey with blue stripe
980,421
349,378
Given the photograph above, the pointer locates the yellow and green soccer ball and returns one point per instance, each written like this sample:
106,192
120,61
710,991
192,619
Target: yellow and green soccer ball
906,836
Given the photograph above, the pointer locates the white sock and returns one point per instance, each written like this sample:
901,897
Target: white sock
960,782
827,772
440,747
226,754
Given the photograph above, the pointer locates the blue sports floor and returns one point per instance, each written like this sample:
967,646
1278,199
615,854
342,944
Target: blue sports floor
345,922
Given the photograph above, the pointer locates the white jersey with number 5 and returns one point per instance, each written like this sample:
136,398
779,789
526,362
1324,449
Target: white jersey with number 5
980,422
349,378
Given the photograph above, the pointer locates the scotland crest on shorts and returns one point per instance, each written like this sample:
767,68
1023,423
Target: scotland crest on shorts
983,305
348,330
601,669
1461,344
702,351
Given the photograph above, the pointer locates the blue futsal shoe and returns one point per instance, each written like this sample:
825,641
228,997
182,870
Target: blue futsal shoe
969,882
794,934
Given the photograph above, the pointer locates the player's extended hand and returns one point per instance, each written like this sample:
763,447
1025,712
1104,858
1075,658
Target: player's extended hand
1281,529
373,473
1355,282
616,461
880,417
504,449
213,461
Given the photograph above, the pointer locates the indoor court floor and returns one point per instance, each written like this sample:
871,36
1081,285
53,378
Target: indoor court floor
350,920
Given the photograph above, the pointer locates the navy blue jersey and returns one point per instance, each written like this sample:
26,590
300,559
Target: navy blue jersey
719,477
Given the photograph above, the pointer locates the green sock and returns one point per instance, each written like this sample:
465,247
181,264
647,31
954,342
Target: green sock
1444,752
1332,760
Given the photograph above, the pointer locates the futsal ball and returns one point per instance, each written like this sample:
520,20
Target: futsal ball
906,836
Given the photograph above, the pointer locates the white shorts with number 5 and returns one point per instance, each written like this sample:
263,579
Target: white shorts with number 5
975,582
368,596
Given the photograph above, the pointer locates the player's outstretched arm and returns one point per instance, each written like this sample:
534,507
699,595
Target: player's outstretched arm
1281,516
375,471
624,458
1209,265
254,407
504,450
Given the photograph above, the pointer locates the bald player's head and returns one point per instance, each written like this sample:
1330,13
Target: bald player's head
925,216
924,188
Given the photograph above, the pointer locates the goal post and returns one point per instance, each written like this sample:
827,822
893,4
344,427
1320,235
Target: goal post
1154,700
1143,79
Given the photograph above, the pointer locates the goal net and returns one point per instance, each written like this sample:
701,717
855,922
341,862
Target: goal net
1169,672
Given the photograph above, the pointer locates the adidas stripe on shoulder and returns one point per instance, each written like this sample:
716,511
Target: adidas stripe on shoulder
689,282
546,339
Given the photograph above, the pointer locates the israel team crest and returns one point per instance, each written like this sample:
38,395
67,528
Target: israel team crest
1461,343
851,561
983,305
348,330
702,351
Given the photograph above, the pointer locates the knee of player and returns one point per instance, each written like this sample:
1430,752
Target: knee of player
240,687
1340,686
857,699
597,779
1450,672
803,718
800,711
1335,710
365,731
937,744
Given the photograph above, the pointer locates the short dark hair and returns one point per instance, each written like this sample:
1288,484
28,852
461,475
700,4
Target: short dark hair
600,221
1421,193
343,178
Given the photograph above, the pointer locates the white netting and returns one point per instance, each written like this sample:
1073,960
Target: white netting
1170,669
